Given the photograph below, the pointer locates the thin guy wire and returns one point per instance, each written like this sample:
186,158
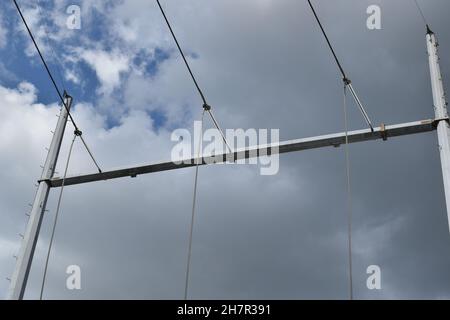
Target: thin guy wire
205,104
56,217
90,153
349,199
57,63
360,106
182,53
421,12
51,76
328,41
220,130
346,80
45,64
194,200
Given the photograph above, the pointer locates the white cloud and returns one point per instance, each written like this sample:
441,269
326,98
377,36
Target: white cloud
25,131
108,67
3,32
72,76
33,16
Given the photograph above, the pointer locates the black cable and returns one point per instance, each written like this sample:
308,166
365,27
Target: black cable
46,66
206,106
182,54
78,132
328,41
421,13
346,80
55,57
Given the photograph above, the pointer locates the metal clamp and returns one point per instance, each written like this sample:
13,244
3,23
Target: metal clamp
383,132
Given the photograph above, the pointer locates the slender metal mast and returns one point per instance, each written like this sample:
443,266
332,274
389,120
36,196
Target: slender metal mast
25,256
440,109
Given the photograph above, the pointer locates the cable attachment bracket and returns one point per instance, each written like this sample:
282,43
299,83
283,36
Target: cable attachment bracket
66,95
206,107
348,84
78,132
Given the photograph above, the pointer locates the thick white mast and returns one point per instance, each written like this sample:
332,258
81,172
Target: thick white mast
440,109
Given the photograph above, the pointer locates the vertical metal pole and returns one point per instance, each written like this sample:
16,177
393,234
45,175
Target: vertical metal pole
440,109
25,257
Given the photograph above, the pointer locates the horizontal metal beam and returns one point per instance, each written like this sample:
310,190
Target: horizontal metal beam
336,139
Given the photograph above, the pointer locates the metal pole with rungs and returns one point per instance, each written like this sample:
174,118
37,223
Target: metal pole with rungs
25,256
440,109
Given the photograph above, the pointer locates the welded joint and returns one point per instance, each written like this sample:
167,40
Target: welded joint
435,122
48,181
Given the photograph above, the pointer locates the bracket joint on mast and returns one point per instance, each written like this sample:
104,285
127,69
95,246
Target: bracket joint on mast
383,132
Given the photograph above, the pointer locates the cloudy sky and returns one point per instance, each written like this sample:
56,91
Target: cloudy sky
261,64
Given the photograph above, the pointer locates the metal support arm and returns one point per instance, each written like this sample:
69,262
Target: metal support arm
335,140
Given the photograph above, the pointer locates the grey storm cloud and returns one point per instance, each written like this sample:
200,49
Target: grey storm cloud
263,64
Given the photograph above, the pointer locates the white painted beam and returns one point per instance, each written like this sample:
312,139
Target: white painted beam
25,256
335,140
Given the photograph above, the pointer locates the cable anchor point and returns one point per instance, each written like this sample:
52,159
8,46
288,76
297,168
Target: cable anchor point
66,95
